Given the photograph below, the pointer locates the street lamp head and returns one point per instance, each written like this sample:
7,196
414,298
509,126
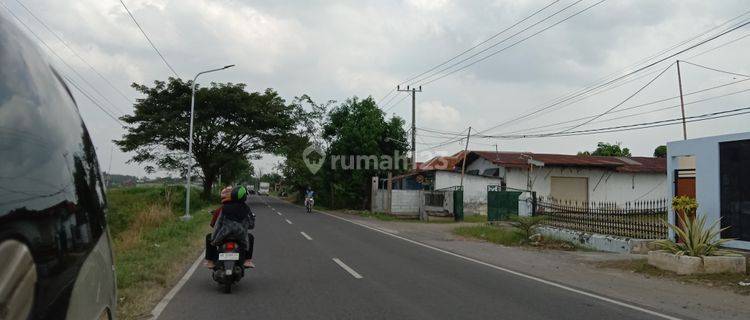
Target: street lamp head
229,66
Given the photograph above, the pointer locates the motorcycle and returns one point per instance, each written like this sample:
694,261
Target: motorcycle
229,269
309,202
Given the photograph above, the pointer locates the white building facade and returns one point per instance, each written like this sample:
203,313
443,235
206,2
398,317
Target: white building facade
716,170
576,178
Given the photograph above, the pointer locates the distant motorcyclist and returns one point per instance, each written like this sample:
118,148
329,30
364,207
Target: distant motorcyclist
232,220
309,199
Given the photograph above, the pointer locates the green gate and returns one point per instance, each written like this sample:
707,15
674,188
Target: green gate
458,204
501,204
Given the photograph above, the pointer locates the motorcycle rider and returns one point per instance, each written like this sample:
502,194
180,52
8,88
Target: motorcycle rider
232,220
309,197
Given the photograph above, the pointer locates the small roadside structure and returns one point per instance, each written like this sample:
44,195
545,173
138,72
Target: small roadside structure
716,172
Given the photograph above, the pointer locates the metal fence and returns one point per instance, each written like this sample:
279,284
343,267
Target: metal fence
638,219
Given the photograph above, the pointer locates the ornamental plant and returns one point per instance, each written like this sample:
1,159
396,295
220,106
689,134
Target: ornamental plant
696,238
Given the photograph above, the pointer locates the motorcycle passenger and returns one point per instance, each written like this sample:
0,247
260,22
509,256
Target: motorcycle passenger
232,220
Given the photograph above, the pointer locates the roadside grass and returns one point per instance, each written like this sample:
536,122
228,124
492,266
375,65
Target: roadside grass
727,281
387,217
508,236
496,234
152,246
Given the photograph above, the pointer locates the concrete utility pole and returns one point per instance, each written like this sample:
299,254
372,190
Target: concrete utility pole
463,162
413,122
682,102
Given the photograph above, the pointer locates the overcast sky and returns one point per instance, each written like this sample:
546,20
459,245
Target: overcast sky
338,49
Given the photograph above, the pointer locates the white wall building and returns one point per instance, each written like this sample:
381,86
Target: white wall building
577,178
716,171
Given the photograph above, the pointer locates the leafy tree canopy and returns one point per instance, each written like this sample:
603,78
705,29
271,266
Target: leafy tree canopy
660,152
608,149
230,125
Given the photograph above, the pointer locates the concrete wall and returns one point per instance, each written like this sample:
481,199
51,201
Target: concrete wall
603,185
475,189
404,202
596,241
707,178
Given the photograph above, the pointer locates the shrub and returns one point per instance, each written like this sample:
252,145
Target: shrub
685,206
697,239
526,226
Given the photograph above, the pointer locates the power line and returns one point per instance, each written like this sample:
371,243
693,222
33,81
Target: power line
628,74
149,40
531,130
636,126
73,51
621,102
714,69
53,52
85,94
422,80
397,102
490,39
640,62
509,46
470,49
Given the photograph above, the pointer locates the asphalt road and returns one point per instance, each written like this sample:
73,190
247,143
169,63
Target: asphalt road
314,266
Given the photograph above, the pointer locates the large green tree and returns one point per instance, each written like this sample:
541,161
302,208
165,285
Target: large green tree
296,175
608,149
230,124
660,151
358,127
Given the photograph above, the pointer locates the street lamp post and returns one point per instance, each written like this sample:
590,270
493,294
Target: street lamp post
190,142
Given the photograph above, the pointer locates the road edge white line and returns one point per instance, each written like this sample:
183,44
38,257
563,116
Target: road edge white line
516,273
305,235
159,308
347,268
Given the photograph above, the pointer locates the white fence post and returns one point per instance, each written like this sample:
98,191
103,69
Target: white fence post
524,204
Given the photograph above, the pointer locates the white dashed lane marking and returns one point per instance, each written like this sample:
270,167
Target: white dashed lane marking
305,235
347,268
287,221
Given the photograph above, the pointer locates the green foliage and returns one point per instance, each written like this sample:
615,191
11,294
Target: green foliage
124,203
607,149
230,124
495,234
526,226
697,239
685,206
660,152
359,127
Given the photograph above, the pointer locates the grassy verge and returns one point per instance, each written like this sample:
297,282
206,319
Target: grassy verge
387,217
152,245
722,280
496,234
508,236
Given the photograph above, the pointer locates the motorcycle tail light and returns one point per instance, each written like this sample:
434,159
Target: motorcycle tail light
230,245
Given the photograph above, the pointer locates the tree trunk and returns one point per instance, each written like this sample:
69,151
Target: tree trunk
208,183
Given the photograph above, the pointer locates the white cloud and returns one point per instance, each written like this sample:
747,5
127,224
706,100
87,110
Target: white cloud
436,115
337,49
